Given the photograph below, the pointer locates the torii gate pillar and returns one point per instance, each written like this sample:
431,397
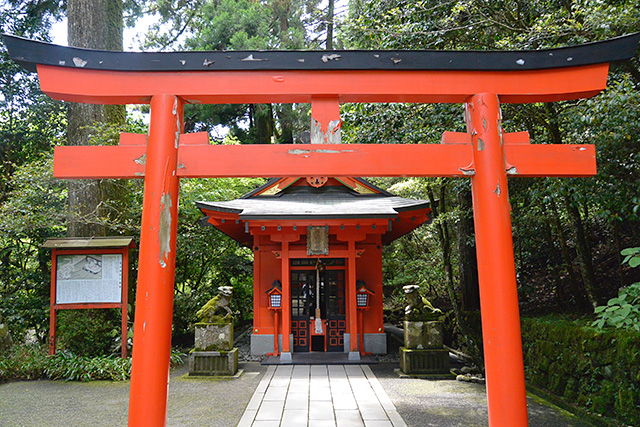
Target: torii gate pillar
504,366
156,269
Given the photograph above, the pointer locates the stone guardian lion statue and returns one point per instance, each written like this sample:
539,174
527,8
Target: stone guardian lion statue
217,309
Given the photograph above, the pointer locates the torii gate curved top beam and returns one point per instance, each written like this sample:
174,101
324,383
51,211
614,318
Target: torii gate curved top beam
107,77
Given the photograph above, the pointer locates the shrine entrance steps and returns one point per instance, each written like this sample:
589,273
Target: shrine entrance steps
335,395
320,358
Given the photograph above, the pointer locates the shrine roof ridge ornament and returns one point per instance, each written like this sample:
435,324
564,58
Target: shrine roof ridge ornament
29,53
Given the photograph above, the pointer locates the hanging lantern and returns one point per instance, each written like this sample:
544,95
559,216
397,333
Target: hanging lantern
275,295
362,294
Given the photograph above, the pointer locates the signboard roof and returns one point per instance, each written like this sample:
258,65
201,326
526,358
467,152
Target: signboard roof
89,242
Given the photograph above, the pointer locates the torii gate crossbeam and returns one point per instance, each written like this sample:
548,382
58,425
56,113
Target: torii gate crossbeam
480,80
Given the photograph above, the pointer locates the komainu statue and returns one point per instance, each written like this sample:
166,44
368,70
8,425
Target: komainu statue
419,308
217,309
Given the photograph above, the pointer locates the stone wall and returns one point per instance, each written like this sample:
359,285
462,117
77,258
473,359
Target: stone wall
598,371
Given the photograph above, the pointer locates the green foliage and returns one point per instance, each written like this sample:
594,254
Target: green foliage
23,362
30,122
624,310
632,256
240,25
556,266
30,362
89,333
207,259
32,212
69,367
36,209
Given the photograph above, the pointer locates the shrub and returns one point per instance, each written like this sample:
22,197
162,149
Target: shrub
624,310
29,362
90,333
23,362
69,367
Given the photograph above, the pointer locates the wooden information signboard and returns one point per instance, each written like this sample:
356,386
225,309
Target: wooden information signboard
89,273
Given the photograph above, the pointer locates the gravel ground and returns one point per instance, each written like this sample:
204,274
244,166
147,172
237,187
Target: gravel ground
450,403
192,402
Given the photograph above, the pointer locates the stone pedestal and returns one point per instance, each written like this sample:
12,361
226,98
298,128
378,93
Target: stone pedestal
422,335
423,362
211,363
214,353
214,336
423,352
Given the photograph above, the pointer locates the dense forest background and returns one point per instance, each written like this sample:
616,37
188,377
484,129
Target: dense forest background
568,233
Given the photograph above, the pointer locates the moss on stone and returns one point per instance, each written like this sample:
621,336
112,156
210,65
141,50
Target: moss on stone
604,400
597,370
219,322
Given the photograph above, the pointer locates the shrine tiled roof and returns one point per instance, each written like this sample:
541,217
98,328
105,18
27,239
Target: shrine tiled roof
313,203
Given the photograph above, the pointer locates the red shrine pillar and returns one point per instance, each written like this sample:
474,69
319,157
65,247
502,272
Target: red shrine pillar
154,299
285,354
496,267
352,315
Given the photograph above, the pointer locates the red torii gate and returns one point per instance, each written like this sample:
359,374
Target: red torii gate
480,80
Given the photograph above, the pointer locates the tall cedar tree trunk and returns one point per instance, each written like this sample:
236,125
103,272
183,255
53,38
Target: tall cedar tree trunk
94,24
286,117
329,43
616,238
263,120
474,342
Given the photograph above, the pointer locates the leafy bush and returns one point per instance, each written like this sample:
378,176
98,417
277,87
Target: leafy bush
624,310
632,256
23,362
65,365
29,362
89,333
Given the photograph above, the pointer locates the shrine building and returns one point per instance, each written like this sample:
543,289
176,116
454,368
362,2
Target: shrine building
317,241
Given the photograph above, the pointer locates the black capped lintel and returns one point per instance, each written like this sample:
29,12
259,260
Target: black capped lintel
29,53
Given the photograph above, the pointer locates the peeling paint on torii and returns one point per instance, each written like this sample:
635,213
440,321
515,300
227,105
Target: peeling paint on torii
480,80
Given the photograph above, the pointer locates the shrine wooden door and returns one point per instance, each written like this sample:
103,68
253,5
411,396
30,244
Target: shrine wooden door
302,283
334,297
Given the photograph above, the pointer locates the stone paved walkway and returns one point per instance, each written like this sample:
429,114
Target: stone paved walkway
318,396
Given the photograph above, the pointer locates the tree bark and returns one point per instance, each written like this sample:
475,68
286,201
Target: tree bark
93,24
264,123
286,117
566,256
615,224
583,251
329,43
